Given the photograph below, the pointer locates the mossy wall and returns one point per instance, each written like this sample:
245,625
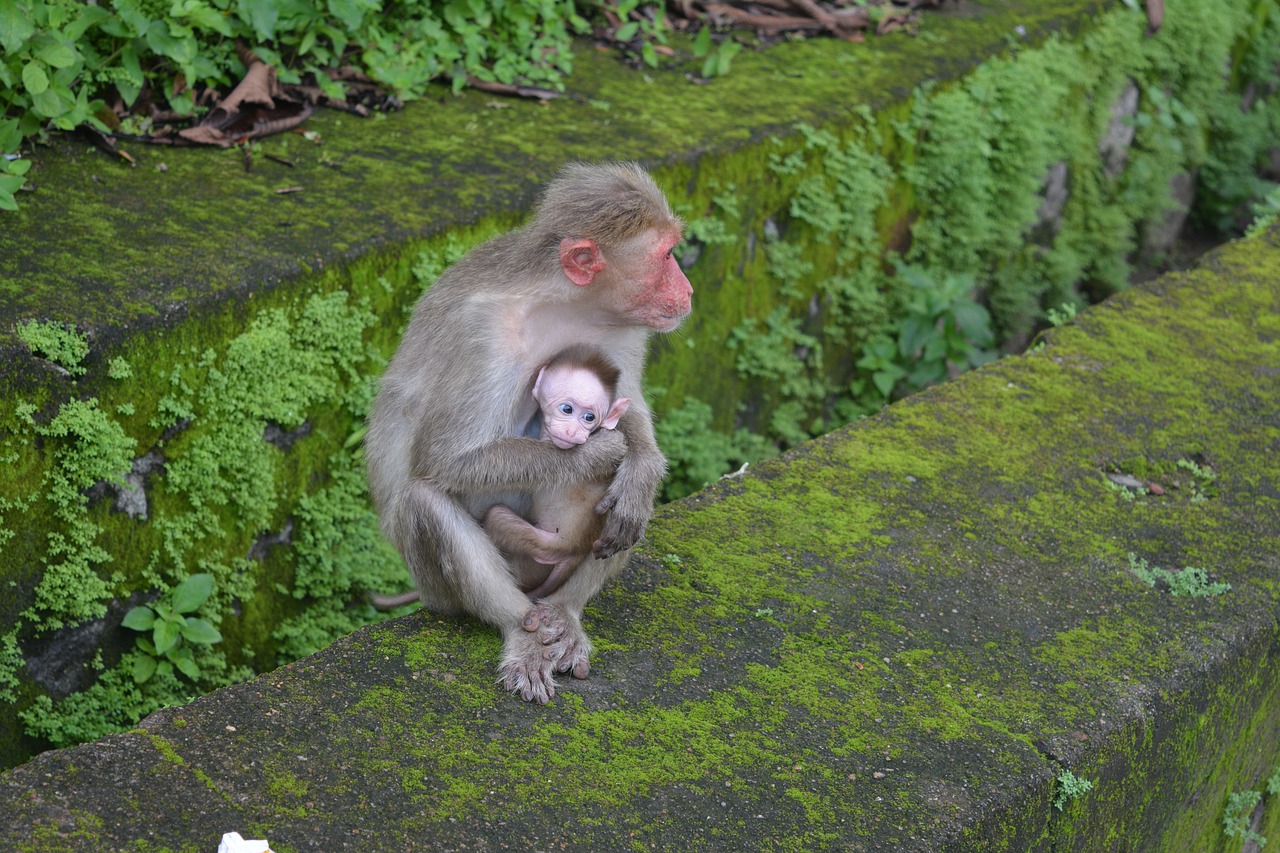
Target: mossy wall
250,409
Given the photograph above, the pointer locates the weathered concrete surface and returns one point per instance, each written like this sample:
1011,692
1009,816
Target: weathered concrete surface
895,638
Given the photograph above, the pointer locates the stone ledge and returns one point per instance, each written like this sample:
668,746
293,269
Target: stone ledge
896,637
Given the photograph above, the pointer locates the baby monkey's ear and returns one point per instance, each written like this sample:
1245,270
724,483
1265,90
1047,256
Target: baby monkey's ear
616,411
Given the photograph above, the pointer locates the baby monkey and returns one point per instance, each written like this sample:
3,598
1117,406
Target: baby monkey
576,395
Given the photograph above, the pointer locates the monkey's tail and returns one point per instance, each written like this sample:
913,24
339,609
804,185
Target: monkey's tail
391,602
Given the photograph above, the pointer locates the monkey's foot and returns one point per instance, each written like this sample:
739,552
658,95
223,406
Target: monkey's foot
570,648
526,668
576,657
530,656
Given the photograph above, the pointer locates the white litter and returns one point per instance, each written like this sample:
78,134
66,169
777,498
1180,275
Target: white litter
233,843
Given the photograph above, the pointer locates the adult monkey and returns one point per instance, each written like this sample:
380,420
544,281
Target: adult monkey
444,443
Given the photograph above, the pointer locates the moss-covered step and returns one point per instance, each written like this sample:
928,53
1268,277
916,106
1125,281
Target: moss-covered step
186,354
1031,609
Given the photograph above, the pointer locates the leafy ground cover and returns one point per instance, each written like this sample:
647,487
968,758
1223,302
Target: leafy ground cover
162,72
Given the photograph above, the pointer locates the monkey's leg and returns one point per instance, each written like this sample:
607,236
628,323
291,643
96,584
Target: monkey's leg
513,535
456,566
572,650
556,578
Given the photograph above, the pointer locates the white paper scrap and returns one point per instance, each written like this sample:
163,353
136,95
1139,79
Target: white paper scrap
233,843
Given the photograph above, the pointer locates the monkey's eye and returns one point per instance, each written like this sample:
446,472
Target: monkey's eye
589,417
566,409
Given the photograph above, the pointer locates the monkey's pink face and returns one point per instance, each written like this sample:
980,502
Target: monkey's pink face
667,296
574,404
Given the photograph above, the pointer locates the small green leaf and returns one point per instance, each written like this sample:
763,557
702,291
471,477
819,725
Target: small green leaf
702,42
627,31
187,667
167,635
15,26
263,15
192,592
58,55
916,330
140,618
48,104
884,380
143,668
650,57
35,78
89,16
200,631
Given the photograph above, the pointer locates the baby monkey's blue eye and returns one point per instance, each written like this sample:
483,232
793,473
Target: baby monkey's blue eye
589,417
566,409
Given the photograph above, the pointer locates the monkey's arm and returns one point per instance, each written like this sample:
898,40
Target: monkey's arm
629,501
525,464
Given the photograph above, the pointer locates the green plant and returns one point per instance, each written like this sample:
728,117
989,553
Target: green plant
881,370
1202,484
1069,787
1265,212
1238,815
1125,493
173,632
55,342
645,24
1190,582
944,327
716,56
1063,314
12,166
698,454
59,57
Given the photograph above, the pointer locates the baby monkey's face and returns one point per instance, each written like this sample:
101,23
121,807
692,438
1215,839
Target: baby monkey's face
574,404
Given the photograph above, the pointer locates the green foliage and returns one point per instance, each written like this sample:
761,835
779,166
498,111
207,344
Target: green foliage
12,169
1237,817
1265,212
340,555
11,661
716,54
1190,582
173,632
119,368
86,447
1062,315
1069,787
222,486
1241,130
60,57
944,328
1202,483
700,455
643,26
55,342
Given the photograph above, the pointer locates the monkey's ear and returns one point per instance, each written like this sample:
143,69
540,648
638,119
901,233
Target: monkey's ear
616,411
537,384
581,259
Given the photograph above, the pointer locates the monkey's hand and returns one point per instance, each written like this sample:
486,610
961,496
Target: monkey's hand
629,502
